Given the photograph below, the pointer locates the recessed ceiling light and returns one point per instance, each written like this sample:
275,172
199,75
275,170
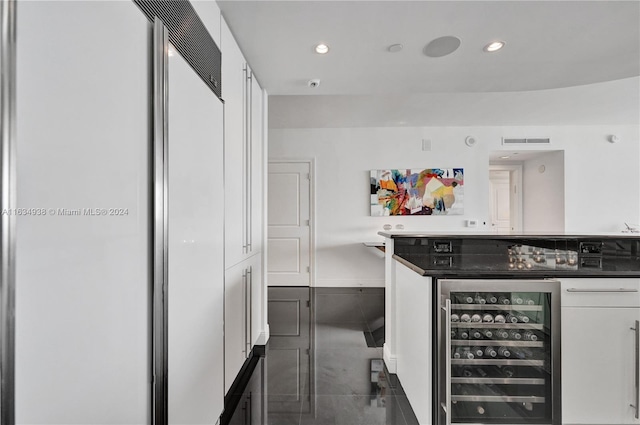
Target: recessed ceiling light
494,46
394,48
322,49
504,157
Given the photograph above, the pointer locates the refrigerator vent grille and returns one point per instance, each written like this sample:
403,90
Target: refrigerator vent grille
189,36
506,141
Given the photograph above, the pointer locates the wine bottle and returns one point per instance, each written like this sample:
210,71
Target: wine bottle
488,333
455,354
467,372
481,372
502,334
480,409
522,318
517,300
529,336
504,352
529,301
499,318
514,334
480,299
476,318
507,371
519,353
487,318
455,318
491,299
476,334
477,351
464,334
466,318
510,318
454,333
490,352
464,353
467,299
504,300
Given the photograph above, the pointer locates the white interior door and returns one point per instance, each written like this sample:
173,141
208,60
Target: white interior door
500,201
289,220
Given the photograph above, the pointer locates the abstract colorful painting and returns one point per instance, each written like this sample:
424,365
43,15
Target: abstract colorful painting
433,191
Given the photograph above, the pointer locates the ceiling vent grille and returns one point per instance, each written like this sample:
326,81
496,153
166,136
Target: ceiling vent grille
506,141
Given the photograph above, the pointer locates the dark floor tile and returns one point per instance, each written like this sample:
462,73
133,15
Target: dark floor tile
338,308
407,411
344,371
341,335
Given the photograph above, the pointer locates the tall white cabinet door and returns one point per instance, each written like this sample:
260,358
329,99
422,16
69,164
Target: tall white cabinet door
233,92
82,278
235,287
196,249
255,298
256,170
289,239
599,365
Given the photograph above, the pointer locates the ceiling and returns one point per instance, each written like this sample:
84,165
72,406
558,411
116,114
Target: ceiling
552,47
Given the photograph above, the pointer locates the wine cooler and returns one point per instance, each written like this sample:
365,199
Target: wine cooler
498,356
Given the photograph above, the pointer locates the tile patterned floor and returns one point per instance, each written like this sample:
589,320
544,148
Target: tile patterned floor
326,374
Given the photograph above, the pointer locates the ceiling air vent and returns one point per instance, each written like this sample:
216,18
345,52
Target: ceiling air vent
506,141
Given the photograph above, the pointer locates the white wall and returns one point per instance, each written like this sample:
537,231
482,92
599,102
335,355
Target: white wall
543,193
82,282
602,183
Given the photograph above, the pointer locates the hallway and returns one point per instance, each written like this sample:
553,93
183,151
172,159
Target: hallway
323,363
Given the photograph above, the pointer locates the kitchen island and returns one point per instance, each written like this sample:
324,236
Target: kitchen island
578,286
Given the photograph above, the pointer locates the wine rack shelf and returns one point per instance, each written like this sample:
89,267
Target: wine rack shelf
508,362
498,398
496,307
499,381
496,342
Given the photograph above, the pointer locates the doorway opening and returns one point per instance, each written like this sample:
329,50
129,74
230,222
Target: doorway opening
526,191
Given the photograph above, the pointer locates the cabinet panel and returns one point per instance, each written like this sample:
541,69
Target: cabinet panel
256,167
234,322
255,301
601,292
234,129
598,365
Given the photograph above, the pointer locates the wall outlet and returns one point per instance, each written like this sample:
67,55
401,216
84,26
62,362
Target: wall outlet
472,223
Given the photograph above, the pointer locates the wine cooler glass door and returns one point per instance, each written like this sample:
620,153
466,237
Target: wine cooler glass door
499,352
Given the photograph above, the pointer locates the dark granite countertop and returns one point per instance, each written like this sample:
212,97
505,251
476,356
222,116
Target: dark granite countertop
519,255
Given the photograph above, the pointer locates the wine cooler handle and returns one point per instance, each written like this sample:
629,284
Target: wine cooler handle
603,290
447,375
637,365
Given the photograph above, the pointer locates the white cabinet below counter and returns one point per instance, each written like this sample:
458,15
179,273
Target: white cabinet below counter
413,339
599,351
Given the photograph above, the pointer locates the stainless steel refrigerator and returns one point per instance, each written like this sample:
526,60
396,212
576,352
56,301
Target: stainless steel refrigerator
498,355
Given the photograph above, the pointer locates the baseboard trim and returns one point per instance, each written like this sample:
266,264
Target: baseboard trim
390,360
233,396
263,338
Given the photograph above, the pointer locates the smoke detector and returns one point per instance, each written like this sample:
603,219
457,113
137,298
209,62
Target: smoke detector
313,83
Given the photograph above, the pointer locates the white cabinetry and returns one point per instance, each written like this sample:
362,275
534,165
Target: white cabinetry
413,339
243,294
599,358
243,142
243,154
